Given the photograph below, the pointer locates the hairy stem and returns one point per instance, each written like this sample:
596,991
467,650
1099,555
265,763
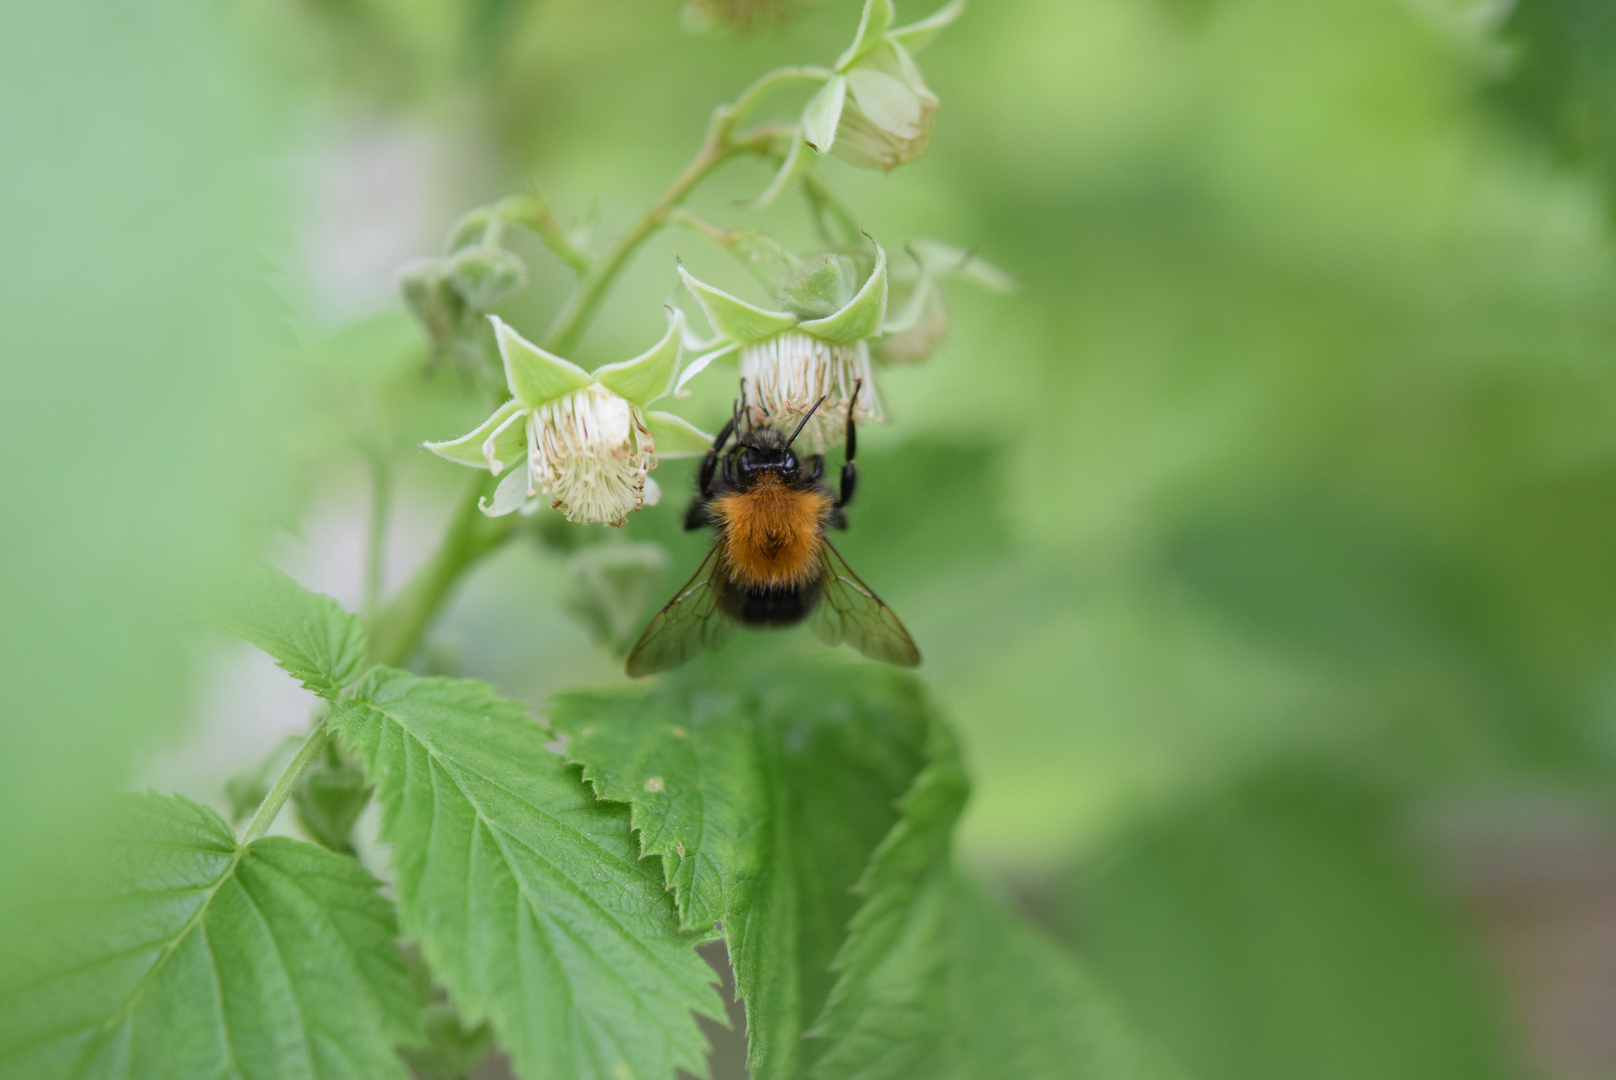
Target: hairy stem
270,808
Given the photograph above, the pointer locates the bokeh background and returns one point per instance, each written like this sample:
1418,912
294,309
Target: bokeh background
1261,544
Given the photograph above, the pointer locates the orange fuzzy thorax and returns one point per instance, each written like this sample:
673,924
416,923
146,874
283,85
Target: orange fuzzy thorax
771,533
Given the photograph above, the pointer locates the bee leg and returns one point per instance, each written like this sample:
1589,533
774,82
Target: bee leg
696,516
849,468
709,463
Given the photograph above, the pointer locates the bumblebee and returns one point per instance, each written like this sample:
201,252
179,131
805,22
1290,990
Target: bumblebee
771,564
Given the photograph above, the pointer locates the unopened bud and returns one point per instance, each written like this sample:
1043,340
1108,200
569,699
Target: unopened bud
436,305
330,798
820,287
486,276
886,119
919,336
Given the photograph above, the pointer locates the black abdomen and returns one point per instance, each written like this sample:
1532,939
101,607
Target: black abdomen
780,605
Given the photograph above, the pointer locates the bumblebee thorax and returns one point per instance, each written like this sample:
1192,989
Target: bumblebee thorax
771,532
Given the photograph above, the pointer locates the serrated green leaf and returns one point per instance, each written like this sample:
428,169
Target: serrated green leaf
938,982
211,960
310,636
764,800
527,895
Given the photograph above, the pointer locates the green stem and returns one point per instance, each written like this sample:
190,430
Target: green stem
270,808
381,503
718,146
396,629
533,212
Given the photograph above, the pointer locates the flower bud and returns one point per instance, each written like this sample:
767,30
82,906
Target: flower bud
886,117
437,306
821,286
485,276
917,337
330,798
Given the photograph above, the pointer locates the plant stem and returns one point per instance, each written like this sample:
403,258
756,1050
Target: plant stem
397,628
532,211
719,144
270,808
381,503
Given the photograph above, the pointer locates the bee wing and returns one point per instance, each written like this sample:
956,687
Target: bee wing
848,610
688,624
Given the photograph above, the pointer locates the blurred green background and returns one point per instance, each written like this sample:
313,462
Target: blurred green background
1260,545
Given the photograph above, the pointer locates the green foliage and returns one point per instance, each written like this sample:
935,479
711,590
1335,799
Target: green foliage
310,636
1276,930
763,797
203,958
936,980
1561,80
527,896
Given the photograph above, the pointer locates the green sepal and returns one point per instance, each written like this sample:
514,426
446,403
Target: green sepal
923,295
734,318
863,315
533,375
509,445
675,436
917,35
650,375
872,29
940,260
823,113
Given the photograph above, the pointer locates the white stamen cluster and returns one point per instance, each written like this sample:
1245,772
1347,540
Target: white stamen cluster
784,375
590,451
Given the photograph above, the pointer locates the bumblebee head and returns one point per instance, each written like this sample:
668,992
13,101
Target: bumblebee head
764,450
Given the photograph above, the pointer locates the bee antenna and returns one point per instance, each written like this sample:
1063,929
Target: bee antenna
805,420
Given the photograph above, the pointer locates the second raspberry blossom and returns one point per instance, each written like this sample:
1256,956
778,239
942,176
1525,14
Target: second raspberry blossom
816,346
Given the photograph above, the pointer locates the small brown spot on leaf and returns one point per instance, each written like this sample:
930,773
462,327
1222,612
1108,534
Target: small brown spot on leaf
654,784
679,732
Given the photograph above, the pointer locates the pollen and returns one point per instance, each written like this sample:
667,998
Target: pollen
772,533
783,377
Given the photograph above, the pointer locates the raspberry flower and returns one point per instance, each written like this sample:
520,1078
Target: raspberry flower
585,439
816,346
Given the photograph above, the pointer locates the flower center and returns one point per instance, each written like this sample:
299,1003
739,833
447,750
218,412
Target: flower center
591,453
783,376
